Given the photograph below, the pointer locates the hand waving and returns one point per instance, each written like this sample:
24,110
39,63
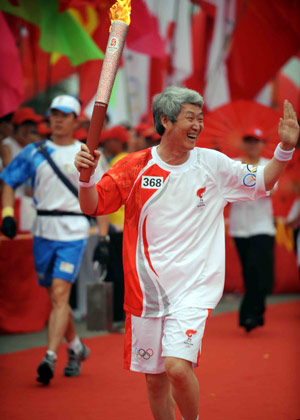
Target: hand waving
288,128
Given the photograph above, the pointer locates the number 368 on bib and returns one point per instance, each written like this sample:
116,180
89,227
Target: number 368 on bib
152,182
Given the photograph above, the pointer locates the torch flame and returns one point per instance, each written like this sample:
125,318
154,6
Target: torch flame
121,11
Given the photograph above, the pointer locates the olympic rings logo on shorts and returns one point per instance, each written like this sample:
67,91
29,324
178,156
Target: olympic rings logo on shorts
249,180
143,354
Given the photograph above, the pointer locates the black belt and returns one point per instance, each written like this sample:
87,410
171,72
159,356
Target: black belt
58,213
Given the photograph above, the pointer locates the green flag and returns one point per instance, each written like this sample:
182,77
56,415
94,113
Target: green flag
60,32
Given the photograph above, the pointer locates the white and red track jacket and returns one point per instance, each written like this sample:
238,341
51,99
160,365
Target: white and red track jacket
173,243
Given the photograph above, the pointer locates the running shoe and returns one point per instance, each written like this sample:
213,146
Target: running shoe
45,369
73,366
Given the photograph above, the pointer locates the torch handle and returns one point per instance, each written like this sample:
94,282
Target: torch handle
94,133
111,61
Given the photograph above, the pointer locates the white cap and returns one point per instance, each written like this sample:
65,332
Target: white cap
66,104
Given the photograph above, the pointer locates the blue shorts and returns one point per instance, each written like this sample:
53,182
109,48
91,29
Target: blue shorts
57,259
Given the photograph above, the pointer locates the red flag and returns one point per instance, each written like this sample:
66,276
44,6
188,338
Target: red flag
266,36
288,85
11,79
67,4
143,35
202,26
89,72
38,71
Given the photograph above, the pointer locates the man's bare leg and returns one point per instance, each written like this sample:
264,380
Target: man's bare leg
184,385
70,333
160,397
60,324
61,319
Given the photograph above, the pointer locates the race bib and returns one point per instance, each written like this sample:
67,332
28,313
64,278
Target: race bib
152,182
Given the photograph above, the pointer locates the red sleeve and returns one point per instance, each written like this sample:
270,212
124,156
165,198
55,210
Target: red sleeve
116,184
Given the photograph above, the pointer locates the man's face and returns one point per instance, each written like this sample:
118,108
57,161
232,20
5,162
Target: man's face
62,124
253,147
27,133
6,129
136,142
186,130
114,146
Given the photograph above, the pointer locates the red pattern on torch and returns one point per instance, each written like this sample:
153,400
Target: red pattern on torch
111,61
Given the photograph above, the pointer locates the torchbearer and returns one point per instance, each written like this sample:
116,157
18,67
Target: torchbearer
174,249
120,17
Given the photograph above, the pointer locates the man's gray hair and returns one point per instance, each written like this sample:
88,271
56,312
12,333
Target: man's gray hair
169,103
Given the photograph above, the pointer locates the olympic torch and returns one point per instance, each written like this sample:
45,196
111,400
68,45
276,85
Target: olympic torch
120,18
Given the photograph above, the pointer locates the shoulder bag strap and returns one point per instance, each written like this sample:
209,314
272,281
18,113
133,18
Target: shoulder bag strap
41,147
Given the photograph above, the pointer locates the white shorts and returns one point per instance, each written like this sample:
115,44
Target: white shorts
149,340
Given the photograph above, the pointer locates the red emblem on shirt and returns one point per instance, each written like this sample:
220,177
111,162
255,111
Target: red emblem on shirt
200,192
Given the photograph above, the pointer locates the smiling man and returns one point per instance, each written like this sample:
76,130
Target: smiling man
174,249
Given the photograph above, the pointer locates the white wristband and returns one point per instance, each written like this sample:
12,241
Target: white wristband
91,182
283,155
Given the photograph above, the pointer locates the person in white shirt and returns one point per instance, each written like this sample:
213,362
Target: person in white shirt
174,252
251,224
60,229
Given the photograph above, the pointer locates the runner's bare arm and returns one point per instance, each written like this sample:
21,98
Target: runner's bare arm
288,130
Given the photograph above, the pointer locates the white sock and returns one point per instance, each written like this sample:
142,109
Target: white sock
75,344
51,354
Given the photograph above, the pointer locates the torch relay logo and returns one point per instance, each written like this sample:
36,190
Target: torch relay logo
189,334
200,193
